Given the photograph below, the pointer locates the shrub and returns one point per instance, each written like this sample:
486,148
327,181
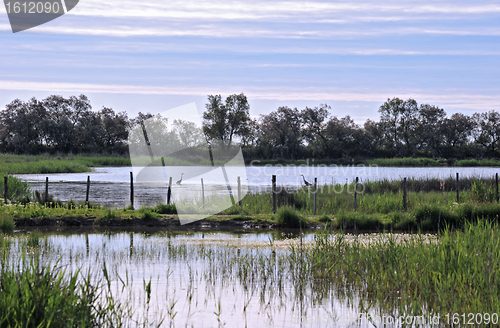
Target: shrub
324,218
147,215
434,216
6,223
165,209
287,217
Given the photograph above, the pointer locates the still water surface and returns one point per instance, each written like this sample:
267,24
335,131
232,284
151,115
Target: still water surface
110,186
207,279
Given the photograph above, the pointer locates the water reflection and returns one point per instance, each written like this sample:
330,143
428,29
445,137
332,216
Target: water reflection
210,279
111,186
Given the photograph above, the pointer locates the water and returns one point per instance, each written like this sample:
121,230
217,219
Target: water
206,279
110,186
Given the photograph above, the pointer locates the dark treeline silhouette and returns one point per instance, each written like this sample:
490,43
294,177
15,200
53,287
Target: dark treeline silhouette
57,124
405,129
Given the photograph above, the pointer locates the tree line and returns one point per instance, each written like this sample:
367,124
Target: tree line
405,128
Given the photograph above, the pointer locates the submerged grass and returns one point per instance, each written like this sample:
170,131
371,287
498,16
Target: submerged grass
34,294
455,272
458,273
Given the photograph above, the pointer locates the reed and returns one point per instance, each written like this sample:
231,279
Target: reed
33,294
6,224
407,162
456,273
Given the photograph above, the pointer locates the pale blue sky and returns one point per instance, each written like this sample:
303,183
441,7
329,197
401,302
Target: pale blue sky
154,55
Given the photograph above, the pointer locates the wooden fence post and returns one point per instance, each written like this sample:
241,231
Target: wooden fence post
46,190
458,188
356,193
239,191
315,193
274,193
5,188
404,195
88,189
203,192
169,191
132,189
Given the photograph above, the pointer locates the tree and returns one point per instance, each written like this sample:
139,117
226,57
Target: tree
488,133
344,137
20,126
189,134
280,133
430,128
374,137
398,119
115,130
457,129
223,122
314,120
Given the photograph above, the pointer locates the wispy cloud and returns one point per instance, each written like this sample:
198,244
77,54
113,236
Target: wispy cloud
456,99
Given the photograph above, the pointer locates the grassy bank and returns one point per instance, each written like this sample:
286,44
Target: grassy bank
40,164
430,211
456,274
26,164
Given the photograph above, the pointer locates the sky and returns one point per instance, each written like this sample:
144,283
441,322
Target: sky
151,56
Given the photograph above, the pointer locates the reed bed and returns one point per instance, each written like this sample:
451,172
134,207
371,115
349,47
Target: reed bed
455,272
40,164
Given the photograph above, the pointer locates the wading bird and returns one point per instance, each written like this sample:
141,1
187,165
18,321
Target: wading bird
305,182
180,180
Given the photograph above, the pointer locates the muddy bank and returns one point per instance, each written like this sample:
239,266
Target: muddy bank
169,221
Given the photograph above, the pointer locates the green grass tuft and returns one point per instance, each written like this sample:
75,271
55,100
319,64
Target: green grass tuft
289,218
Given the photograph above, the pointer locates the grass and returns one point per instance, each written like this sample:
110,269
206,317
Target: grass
379,207
384,162
407,162
45,295
457,273
288,218
6,224
39,164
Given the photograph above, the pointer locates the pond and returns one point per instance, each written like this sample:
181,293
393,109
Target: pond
206,279
110,186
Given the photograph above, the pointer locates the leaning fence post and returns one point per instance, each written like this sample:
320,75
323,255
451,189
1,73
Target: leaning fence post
239,191
169,191
496,181
5,188
404,195
202,192
88,189
131,189
458,188
274,193
46,190
355,193
315,193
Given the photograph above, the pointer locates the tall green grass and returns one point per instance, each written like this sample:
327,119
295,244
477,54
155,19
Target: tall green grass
476,162
457,273
39,164
407,162
45,295
6,223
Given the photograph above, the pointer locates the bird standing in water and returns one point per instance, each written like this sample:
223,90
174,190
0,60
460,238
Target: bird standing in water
180,180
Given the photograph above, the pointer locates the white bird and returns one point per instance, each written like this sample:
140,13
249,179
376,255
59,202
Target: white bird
306,183
180,180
